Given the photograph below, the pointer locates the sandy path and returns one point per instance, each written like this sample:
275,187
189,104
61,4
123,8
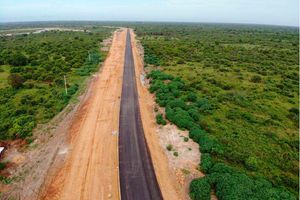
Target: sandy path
91,167
169,187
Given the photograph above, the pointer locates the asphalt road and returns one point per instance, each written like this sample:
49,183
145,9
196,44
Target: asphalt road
137,176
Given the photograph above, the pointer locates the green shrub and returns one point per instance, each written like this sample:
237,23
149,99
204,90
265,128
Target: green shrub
151,58
2,165
200,189
240,186
192,97
22,126
207,144
5,180
155,86
73,89
177,103
206,162
15,80
232,184
204,105
159,75
294,115
251,163
169,147
221,168
256,79
196,134
180,117
160,119
194,114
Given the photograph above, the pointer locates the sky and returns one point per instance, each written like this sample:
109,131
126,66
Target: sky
276,12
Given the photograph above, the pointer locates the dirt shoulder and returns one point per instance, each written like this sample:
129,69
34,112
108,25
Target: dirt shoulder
90,168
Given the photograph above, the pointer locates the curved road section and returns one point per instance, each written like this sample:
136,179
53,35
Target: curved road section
137,176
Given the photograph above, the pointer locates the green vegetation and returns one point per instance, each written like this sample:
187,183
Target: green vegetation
169,147
2,165
4,73
200,189
32,76
235,88
160,119
5,180
185,171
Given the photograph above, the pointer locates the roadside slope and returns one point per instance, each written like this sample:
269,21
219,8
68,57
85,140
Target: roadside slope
91,167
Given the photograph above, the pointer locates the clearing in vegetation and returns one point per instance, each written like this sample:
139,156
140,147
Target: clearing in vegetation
90,170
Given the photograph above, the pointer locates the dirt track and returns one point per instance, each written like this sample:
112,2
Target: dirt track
91,168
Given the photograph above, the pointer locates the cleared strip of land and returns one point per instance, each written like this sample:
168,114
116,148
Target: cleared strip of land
91,167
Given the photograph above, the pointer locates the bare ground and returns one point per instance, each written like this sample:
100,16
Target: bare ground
90,170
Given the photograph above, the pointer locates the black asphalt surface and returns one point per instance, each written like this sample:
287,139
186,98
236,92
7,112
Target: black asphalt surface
137,176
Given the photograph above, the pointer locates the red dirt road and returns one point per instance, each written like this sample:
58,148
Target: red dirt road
91,168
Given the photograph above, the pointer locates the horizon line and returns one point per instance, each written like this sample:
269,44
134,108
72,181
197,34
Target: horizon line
149,21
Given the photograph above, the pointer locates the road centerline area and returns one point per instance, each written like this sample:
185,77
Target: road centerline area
137,176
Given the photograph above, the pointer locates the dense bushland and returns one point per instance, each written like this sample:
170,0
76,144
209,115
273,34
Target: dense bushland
37,65
185,112
238,85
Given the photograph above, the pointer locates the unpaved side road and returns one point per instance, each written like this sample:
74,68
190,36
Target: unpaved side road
91,167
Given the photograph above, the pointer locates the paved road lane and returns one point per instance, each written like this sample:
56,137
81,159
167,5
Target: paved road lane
137,176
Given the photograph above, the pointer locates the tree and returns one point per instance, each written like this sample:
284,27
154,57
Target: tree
15,80
17,59
200,189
